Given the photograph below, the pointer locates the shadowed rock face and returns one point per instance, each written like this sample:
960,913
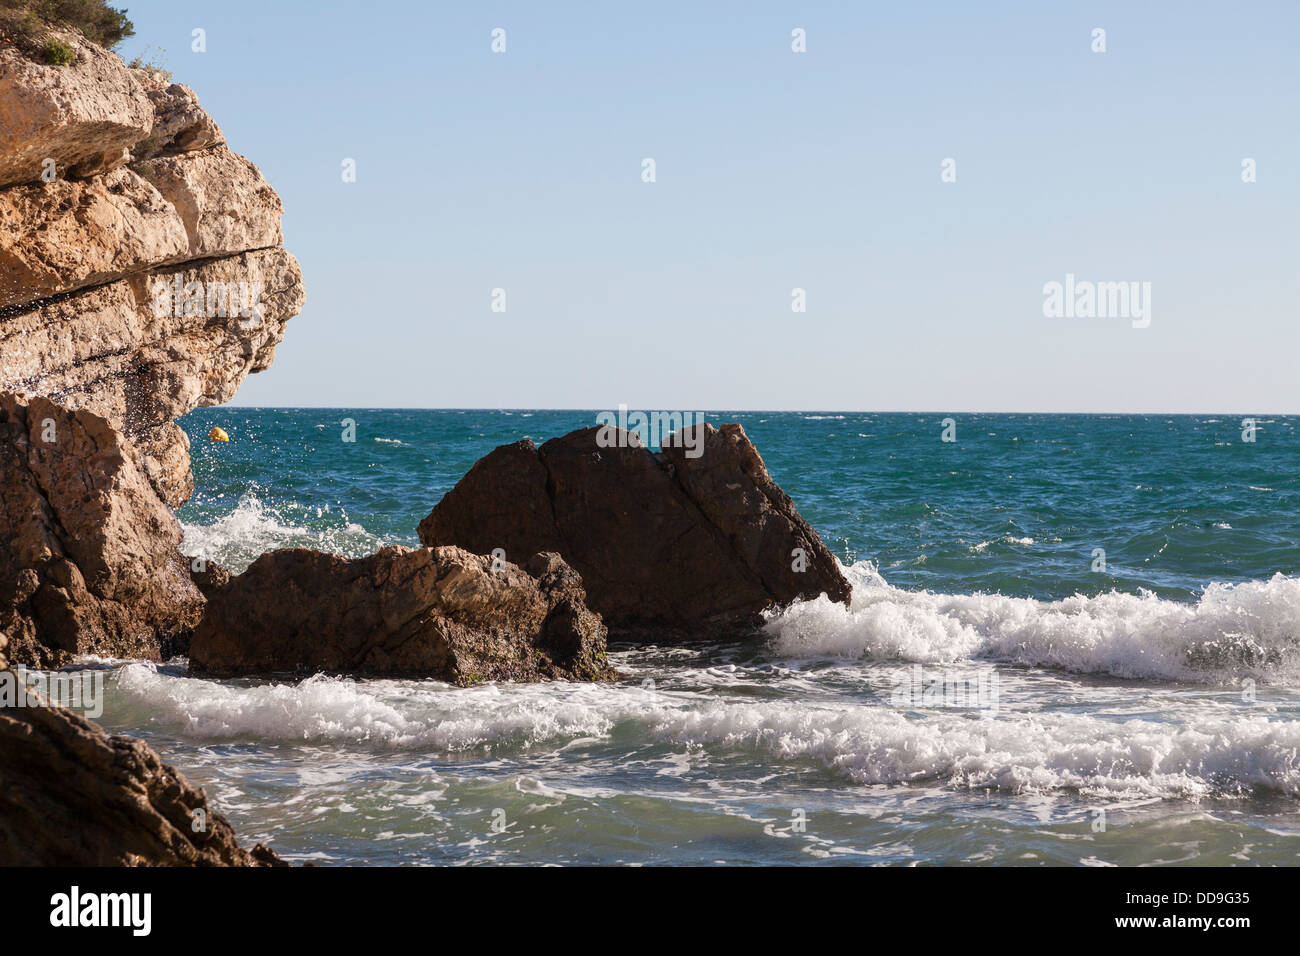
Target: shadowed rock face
668,546
74,796
440,613
90,564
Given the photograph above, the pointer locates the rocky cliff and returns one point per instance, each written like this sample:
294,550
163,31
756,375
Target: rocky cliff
141,268
141,276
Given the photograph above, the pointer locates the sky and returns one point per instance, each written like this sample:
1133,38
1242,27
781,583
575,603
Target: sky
774,170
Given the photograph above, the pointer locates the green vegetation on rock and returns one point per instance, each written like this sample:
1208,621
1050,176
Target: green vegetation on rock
58,53
26,24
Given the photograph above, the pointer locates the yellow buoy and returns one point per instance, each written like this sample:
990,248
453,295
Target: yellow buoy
218,434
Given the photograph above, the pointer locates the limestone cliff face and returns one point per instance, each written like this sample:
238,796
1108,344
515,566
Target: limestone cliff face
141,276
141,267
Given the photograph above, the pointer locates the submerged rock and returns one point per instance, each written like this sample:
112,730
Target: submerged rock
430,612
73,795
669,546
90,563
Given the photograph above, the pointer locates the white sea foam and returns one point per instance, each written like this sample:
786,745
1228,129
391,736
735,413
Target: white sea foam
1249,630
1026,753
240,536
870,743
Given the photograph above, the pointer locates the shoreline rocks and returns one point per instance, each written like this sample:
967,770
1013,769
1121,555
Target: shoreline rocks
669,546
438,613
68,235
75,796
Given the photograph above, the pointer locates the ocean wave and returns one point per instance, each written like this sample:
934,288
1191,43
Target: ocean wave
236,539
393,714
1232,633
1019,752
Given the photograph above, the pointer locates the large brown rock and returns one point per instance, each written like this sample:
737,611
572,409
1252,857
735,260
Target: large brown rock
426,613
90,562
221,198
84,117
669,547
71,795
68,234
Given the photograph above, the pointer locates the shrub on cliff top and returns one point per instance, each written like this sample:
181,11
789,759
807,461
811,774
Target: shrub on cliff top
58,53
23,22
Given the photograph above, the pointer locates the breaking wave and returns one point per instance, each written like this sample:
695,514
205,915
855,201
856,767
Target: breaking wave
1219,753
237,538
1233,632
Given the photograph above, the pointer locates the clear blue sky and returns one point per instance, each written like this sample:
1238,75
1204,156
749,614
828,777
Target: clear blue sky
775,170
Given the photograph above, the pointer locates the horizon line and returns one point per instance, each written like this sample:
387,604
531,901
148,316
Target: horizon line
746,411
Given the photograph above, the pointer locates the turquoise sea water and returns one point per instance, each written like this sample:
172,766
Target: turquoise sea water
1141,713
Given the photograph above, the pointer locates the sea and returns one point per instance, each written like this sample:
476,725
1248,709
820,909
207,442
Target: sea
1073,640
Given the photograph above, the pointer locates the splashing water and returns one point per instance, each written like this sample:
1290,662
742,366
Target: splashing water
1164,689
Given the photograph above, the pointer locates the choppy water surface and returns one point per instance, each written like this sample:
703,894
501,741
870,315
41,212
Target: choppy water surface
988,698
